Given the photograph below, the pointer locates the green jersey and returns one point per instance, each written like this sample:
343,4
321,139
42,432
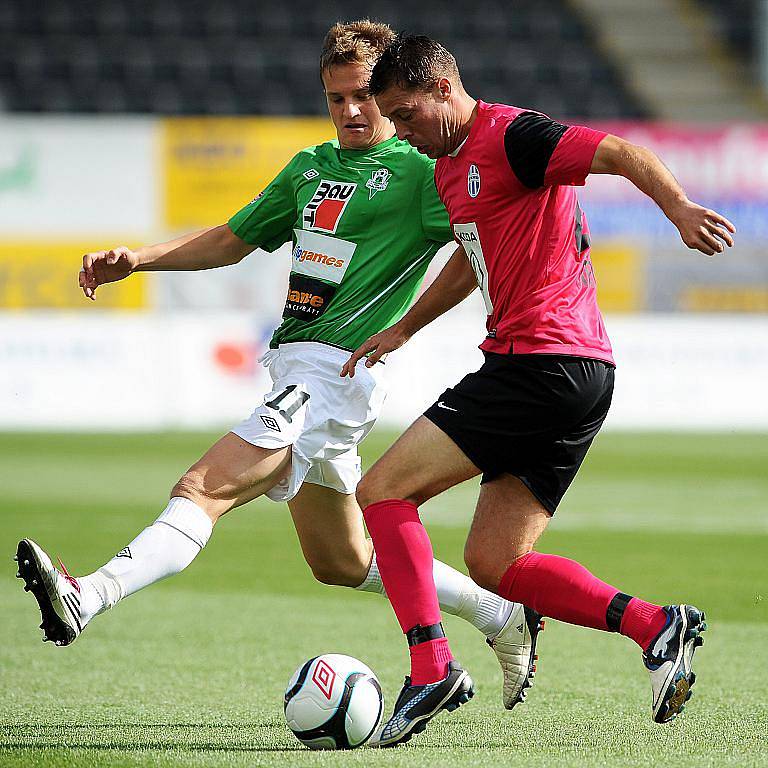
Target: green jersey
364,226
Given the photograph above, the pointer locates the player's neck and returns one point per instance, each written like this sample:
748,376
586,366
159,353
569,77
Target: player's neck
466,112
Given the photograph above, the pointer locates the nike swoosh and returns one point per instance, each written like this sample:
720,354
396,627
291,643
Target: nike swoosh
441,404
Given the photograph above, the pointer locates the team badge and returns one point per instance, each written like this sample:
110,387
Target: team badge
473,181
378,182
310,174
324,211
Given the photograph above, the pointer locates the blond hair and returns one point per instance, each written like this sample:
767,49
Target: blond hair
355,42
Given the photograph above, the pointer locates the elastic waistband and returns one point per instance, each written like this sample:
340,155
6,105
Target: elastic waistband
314,347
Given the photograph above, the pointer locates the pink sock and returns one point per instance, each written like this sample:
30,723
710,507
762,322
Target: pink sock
404,557
429,661
565,590
642,621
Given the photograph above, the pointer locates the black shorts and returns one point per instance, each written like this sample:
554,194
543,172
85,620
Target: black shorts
532,416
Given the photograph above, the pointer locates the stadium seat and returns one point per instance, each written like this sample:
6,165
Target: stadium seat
197,57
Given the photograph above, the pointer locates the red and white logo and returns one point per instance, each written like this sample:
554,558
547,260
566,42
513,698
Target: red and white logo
323,212
324,677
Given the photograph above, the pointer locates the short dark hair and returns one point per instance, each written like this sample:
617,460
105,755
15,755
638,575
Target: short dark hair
412,62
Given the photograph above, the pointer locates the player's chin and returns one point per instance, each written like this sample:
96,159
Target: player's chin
357,137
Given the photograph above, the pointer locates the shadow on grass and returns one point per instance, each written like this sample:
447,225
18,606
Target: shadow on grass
137,737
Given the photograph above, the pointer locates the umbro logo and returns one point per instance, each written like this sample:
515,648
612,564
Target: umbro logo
270,423
125,552
310,174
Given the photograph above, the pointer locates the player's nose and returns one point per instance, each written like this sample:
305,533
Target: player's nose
351,109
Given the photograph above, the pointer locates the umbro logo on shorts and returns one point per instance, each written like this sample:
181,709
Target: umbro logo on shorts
125,552
270,423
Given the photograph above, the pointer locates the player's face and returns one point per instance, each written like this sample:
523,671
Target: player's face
359,124
424,119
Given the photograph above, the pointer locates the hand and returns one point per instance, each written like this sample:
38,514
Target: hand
375,347
106,267
702,229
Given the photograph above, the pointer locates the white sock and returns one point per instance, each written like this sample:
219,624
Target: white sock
457,595
167,547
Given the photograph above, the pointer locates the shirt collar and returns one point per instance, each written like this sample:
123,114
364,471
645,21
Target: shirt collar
458,149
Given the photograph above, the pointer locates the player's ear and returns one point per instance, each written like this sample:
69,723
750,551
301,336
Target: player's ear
444,88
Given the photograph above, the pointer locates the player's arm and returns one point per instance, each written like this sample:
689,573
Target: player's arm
454,283
205,249
700,228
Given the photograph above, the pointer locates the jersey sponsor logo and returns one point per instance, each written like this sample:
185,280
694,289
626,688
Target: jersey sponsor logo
378,182
469,238
323,258
307,298
310,174
321,255
473,181
324,211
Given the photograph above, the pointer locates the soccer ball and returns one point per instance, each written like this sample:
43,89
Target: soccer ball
333,702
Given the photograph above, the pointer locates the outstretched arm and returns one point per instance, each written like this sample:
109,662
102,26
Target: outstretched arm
206,249
454,283
700,228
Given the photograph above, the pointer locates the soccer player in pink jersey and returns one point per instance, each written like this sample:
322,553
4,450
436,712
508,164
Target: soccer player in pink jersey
526,419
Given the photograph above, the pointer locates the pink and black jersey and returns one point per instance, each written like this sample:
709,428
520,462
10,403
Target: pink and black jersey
510,197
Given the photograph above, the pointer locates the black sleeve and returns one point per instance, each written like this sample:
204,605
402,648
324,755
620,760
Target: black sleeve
529,141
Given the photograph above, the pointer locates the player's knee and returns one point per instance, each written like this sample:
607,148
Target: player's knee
371,489
482,569
368,491
192,487
340,573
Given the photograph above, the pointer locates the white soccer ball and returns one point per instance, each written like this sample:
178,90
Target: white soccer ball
333,702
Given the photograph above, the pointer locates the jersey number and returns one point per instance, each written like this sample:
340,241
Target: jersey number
470,240
288,402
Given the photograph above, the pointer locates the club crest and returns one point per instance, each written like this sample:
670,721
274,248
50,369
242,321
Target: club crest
378,181
473,181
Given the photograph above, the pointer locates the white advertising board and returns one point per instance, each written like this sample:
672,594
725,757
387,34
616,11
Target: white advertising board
64,176
131,371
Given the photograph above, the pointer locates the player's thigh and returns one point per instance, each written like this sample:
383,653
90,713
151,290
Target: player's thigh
232,472
422,463
331,533
508,522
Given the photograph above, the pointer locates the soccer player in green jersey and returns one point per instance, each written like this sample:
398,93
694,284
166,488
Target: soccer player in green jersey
364,219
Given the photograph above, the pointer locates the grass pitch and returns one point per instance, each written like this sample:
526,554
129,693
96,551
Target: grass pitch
191,672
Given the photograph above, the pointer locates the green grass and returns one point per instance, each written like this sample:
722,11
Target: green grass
191,672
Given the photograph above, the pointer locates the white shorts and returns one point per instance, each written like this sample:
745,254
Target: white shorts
322,416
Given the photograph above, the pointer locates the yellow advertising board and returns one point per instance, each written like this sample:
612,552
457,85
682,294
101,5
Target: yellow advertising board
214,166
43,275
620,273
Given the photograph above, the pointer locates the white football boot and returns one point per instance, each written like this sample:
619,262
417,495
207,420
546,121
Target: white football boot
668,660
515,648
56,592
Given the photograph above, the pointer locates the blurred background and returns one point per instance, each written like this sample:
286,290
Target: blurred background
130,121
